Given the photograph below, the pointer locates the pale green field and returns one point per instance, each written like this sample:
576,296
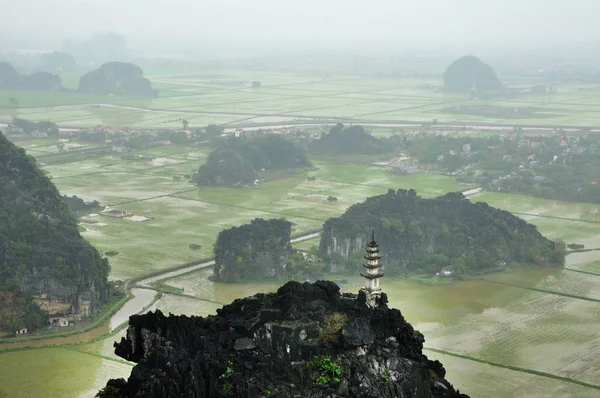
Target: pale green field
182,213
504,324
227,93
480,380
55,372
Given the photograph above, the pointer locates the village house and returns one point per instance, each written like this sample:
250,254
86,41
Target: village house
21,331
116,213
446,271
59,320
524,143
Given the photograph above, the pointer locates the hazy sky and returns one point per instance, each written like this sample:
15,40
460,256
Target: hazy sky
416,22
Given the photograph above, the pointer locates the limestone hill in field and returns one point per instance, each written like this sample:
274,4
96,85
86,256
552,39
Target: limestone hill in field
240,161
348,140
117,78
42,255
253,251
424,235
306,340
468,74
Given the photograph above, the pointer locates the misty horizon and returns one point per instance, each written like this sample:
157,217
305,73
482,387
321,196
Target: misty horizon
267,25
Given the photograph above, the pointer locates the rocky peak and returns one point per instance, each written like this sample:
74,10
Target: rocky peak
305,340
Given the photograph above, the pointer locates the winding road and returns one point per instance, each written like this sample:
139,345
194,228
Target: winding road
144,294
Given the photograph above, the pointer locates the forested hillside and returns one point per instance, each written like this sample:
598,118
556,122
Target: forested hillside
423,235
240,160
253,251
42,255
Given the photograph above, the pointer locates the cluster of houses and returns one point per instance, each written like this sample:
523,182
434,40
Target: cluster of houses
402,165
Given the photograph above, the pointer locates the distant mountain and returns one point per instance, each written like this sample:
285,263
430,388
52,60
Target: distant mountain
117,78
10,79
99,49
423,235
57,62
44,261
468,74
240,160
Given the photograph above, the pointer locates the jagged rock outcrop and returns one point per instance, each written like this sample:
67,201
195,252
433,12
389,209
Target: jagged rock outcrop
468,74
424,235
116,78
42,253
306,340
240,161
254,251
349,140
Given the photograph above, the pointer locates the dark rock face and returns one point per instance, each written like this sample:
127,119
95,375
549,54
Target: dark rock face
271,345
117,78
470,73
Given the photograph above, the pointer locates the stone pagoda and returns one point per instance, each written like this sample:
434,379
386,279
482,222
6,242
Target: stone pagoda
373,271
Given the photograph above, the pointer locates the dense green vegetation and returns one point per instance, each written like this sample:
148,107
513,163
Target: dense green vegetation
239,161
470,75
75,203
554,167
423,235
348,140
41,251
253,251
28,127
18,310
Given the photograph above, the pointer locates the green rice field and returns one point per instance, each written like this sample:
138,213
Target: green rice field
522,321
226,97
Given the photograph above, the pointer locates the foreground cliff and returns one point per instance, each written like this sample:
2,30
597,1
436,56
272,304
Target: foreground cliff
42,254
306,340
424,235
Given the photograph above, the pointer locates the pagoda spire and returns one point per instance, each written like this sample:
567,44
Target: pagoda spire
373,271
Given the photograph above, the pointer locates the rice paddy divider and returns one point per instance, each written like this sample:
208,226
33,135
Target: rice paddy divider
557,218
581,272
123,362
535,289
515,368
